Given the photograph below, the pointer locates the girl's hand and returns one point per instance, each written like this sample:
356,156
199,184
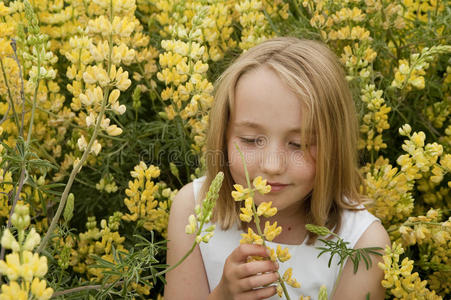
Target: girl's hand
246,280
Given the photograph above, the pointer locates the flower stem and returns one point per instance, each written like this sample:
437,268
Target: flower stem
16,118
35,97
338,279
74,173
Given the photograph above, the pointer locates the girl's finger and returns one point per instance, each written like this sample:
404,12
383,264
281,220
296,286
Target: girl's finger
257,281
255,267
243,251
262,293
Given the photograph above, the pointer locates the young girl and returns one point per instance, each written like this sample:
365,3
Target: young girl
287,106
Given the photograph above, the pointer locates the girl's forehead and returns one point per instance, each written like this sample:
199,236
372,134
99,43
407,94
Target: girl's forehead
262,99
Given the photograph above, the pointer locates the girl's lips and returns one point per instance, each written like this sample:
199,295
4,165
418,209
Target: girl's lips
276,186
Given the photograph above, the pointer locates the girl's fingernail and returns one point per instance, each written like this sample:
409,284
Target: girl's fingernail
268,252
276,264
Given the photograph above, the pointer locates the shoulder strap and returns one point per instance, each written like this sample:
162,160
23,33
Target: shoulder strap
354,224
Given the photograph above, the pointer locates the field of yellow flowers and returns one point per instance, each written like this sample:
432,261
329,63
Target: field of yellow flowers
104,107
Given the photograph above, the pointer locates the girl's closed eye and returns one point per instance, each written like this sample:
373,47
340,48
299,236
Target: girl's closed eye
258,140
296,145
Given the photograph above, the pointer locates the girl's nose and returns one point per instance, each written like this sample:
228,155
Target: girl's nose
273,160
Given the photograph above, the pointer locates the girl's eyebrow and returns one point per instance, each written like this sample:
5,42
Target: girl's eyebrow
250,124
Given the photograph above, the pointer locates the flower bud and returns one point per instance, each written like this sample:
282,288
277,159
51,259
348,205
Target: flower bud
405,130
319,230
322,295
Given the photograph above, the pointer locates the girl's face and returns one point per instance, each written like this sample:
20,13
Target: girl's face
266,126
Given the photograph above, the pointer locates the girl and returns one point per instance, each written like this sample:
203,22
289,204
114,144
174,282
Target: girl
287,105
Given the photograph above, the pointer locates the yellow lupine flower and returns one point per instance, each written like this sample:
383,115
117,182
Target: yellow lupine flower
9,241
247,213
283,255
13,291
241,193
271,231
39,290
288,279
251,238
279,290
445,161
32,265
261,186
191,227
11,267
266,210
32,240
272,254
122,81
113,130
418,138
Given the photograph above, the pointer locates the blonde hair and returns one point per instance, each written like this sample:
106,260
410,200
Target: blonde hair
312,72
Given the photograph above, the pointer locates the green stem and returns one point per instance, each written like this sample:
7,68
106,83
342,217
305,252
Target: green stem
16,118
337,280
35,96
173,266
415,223
74,173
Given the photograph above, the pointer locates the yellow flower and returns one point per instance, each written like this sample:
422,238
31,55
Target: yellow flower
261,186
418,138
247,212
32,240
405,130
272,254
9,241
38,288
82,144
271,231
266,210
251,238
279,290
33,265
13,292
288,279
283,255
241,193
113,130
11,267
114,95
445,161
122,81
191,227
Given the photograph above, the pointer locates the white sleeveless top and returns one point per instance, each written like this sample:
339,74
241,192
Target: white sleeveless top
311,272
